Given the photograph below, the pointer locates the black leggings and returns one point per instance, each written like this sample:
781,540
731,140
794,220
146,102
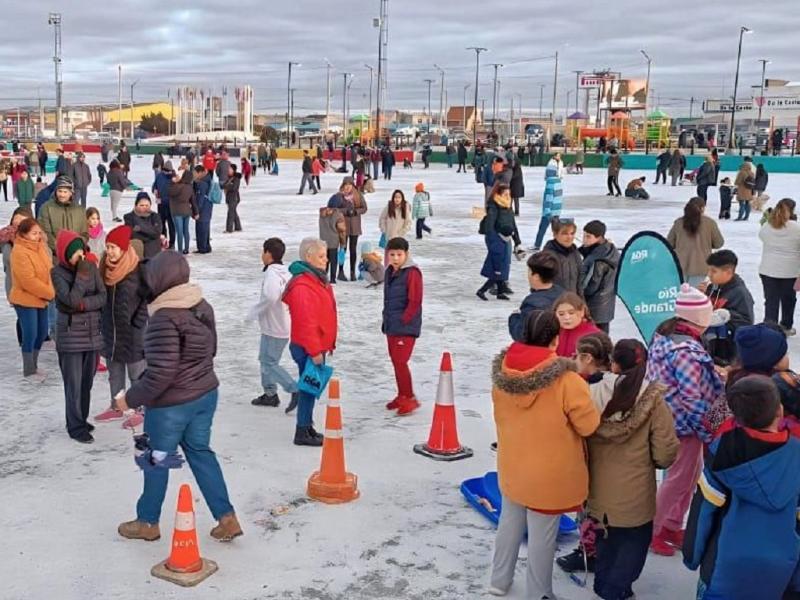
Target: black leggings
4,185
779,297
333,263
613,182
353,242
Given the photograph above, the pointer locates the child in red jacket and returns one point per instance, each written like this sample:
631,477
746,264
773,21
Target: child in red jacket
575,321
402,319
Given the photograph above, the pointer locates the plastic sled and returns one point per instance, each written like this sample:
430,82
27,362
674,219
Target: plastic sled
483,494
106,190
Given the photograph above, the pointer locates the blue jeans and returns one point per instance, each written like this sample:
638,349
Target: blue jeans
305,401
272,373
51,319
33,322
188,426
744,211
182,233
543,225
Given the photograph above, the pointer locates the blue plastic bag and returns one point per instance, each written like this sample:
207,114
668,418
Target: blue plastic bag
341,256
382,241
314,378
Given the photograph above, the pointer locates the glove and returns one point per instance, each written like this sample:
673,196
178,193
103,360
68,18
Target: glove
519,252
720,317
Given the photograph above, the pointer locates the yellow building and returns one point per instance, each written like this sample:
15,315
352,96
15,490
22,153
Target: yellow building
139,110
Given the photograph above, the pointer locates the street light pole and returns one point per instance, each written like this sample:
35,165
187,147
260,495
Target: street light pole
464,109
555,94
478,51
429,82
132,86
344,108
731,133
328,99
541,99
577,88
289,104
119,108
764,62
369,121
494,96
441,98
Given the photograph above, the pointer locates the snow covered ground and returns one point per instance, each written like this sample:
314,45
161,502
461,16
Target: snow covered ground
410,535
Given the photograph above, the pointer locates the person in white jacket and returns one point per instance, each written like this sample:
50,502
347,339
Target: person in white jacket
275,324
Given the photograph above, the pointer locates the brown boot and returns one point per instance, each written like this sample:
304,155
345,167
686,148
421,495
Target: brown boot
227,528
139,530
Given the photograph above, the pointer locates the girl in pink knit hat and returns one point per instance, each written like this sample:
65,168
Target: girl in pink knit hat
678,360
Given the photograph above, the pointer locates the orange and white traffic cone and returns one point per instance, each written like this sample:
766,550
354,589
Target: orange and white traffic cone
184,565
443,441
332,483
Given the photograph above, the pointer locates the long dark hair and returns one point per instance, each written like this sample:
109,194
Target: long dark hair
631,358
692,215
114,164
540,328
403,205
598,346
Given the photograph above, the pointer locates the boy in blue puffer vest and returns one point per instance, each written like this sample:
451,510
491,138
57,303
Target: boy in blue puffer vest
742,529
402,319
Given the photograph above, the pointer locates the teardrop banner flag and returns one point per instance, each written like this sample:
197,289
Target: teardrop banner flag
648,279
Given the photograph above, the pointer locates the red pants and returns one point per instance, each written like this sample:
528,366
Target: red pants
400,349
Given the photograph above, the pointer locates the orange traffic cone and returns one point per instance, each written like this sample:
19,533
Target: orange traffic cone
443,441
184,565
332,483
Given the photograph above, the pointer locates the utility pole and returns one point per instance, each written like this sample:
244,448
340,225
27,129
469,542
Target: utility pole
732,133
369,114
691,106
464,109
478,51
577,88
764,62
382,23
289,104
119,90
291,110
328,99
555,93
429,82
494,95
512,115
132,86
54,19
541,99
441,98
646,95
344,107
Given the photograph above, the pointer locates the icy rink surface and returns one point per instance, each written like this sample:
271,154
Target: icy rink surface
410,535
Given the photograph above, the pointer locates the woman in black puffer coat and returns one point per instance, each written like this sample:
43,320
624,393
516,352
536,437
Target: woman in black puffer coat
80,296
146,225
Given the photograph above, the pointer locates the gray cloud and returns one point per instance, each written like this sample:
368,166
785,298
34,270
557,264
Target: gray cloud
205,44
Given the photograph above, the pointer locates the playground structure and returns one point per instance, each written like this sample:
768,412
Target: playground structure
575,122
657,129
619,129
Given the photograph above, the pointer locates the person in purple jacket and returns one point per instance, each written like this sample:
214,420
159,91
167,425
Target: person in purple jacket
179,390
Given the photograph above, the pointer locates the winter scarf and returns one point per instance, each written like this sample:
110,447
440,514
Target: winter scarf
114,272
299,267
184,295
502,201
96,232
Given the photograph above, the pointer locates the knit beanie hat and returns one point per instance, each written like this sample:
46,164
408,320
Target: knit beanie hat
693,306
420,187
120,236
67,244
64,181
760,347
595,228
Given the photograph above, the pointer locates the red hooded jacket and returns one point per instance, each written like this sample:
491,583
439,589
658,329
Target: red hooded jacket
312,306
568,338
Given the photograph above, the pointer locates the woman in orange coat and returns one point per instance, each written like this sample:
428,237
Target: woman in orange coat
31,290
543,412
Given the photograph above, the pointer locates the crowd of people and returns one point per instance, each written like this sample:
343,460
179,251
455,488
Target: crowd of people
583,423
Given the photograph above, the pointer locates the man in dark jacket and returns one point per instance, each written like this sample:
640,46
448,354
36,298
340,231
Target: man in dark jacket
706,176
598,272
388,159
462,157
80,297
542,270
81,177
662,166
179,347
223,168
161,190
63,165
205,208
124,158
307,175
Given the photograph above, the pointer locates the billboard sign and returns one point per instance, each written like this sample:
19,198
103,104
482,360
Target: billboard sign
623,93
724,106
595,80
781,102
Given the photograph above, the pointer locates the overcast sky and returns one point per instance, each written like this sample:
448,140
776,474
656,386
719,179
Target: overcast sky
163,45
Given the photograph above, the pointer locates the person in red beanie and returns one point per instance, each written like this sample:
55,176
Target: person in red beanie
124,317
80,297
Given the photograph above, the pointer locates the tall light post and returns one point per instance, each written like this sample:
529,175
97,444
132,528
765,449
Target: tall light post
429,82
464,107
382,24
369,114
519,107
133,85
328,98
54,19
731,133
494,95
441,97
764,62
541,99
577,88
475,105
555,93
119,91
646,94
289,103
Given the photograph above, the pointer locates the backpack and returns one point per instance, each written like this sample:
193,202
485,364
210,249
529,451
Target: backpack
215,193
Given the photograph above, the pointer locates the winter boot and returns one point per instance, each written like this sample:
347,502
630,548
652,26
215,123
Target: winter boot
340,275
266,400
406,406
394,404
28,364
502,288
661,545
304,437
573,562
227,528
353,275
139,530
292,403
315,433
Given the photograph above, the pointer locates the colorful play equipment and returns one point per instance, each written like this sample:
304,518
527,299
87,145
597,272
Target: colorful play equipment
618,129
575,122
658,125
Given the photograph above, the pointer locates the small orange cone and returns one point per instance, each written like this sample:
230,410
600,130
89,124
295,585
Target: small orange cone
443,441
332,483
184,565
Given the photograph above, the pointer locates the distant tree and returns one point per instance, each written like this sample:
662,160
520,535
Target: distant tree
268,134
155,123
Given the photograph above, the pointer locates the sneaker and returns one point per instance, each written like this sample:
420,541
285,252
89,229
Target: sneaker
673,537
573,562
789,331
227,528
502,296
84,437
266,400
493,446
304,437
101,367
394,404
482,295
292,403
139,530
406,406
660,546
111,414
133,421
496,591
35,378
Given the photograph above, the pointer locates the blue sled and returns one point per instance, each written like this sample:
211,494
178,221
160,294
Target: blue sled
486,487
